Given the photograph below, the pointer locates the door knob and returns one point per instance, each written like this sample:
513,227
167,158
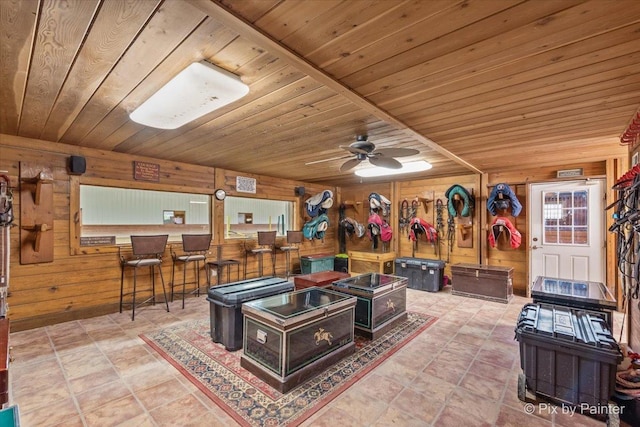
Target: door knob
536,247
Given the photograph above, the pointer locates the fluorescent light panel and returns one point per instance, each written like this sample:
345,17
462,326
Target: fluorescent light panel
197,90
408,167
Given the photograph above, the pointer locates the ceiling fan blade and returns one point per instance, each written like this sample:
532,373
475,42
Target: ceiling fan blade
385,162
350,164
327,160
354,150
396,152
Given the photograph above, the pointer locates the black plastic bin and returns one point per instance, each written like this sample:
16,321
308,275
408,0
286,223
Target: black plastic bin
225,306
341,264
567,356
423,274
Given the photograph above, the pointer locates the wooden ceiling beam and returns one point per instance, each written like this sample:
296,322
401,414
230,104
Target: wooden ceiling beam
250,32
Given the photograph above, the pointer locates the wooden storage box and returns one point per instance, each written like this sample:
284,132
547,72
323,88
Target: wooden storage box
371,262
482,281
322,279
382,301
315,263
292,337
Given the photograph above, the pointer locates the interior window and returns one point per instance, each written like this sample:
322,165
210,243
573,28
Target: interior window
110,215
245,216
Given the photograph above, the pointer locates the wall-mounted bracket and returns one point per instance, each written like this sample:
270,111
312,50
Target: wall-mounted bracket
36,213
37,182
425,202
465,232
352,204
38,229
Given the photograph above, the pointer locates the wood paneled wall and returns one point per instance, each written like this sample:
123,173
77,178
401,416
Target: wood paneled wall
428,192
481,252
356,198
423,189
518,181
277,189
87,284
503,255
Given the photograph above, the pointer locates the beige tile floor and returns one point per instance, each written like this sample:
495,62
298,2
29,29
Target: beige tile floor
462,371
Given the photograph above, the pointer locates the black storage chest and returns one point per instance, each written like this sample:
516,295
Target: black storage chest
422,274
592,296
567,355
292,337
382,301
225,306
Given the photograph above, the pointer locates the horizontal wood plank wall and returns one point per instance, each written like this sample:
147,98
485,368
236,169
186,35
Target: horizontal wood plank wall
87,285
434,189
503,255
519,258
357,208
431,189
276,189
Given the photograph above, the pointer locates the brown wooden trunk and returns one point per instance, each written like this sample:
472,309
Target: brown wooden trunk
483,281
322,279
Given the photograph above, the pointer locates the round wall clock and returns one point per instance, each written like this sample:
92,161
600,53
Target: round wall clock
220,194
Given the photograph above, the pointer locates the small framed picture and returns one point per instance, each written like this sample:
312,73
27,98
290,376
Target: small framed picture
635,159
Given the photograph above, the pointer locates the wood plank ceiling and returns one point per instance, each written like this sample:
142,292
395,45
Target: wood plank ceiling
474,85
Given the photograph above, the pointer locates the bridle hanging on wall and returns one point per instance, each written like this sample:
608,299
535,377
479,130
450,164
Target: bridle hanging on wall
627,229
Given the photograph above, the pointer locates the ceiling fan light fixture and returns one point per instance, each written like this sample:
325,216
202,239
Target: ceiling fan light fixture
197,90
409,167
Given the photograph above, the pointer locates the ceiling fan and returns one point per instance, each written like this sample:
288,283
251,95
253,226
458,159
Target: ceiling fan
362,149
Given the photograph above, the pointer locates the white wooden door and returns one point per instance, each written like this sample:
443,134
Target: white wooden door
567,230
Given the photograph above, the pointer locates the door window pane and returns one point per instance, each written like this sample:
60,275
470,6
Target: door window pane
565,216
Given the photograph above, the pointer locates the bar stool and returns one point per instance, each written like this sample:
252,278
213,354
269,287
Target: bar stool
195,247
147,252
266,244
294,238
220,264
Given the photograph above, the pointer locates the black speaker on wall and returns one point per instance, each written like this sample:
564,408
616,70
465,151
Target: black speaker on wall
77,165
300,191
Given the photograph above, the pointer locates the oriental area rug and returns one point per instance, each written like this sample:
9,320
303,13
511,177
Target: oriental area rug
252,402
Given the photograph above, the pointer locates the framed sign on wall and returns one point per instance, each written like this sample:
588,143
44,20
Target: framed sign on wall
245,185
